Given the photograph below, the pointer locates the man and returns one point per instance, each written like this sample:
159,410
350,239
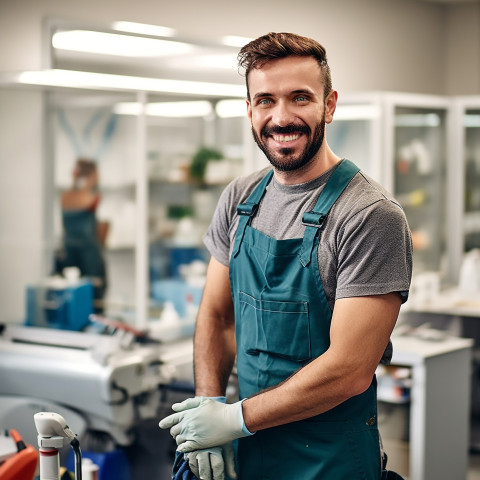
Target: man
309,268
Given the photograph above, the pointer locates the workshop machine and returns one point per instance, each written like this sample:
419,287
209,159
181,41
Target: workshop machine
102,383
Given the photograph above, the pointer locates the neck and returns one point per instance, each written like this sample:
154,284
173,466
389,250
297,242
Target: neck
323,161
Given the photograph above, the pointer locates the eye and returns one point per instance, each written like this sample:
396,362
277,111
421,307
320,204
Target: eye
264,101
301,99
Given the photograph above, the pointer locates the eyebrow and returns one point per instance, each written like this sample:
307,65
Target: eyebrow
262,94
302,90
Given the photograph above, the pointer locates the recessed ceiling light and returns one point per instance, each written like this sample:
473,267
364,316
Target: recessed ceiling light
102,81
117,44
144,29
199,108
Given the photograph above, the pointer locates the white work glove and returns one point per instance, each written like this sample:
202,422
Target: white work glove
201,423
212,463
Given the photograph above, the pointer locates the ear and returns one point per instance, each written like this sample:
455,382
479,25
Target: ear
249,110
330,106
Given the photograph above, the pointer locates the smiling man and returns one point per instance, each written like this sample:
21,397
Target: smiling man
290,121
311,261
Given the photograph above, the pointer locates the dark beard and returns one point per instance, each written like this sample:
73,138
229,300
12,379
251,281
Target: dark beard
284,160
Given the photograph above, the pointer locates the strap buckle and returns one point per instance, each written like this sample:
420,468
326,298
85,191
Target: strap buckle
313,219
249,209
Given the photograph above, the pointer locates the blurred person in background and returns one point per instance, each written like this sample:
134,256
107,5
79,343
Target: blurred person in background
83,235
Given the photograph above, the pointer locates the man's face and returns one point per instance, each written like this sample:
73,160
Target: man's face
287,111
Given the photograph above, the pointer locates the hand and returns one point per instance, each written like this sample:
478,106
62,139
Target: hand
211,463
201,423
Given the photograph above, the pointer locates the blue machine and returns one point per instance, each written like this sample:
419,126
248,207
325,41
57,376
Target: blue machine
111,465
57,303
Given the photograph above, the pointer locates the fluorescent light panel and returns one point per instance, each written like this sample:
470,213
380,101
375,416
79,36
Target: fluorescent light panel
144,29
91,80
231,108
117,44
166,109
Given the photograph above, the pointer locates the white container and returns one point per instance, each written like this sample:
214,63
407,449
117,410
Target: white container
89,470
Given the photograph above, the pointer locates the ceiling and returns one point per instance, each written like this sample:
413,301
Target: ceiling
451,1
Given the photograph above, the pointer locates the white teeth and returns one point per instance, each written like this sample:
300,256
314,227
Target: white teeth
285,138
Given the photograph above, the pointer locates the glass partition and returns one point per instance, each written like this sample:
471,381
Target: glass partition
420,180
354,134
471,224
193,153
94,175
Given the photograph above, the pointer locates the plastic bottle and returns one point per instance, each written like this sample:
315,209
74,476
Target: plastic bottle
192,309
169,313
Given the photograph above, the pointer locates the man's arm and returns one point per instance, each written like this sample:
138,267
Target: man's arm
214,342
360,331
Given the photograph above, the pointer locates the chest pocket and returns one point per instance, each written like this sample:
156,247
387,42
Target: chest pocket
278,328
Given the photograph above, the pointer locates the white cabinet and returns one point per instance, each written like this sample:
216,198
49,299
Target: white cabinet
465,176
440,405
400,140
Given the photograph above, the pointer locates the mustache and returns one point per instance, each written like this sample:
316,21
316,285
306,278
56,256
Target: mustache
286,130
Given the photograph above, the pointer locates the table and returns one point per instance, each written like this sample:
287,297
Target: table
440,404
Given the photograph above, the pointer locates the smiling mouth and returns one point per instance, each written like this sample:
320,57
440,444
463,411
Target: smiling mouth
286,138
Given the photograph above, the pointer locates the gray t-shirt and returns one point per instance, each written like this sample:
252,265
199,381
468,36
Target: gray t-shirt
365,246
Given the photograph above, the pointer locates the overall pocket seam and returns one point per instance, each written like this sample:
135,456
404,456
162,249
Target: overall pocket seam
270,341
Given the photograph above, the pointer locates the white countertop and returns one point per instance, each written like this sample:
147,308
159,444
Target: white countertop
409,349
446,302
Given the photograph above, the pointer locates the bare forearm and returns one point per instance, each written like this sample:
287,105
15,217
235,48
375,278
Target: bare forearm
214,355
315,389
214,344
359,335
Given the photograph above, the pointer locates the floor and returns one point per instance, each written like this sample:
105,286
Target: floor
474,459
398,453
474,467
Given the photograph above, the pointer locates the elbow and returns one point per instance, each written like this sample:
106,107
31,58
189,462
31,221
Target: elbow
358,383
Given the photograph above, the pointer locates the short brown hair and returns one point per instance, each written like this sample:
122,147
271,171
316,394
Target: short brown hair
273,46
85,167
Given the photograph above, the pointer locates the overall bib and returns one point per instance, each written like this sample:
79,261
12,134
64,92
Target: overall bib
83,250
282,323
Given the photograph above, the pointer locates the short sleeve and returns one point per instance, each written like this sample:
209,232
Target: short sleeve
216,238
375,252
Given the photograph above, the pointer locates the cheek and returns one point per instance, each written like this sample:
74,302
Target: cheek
258,120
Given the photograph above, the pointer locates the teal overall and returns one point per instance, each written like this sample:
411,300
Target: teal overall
282,323
82,249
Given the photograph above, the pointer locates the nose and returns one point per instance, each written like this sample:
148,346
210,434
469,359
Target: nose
282,114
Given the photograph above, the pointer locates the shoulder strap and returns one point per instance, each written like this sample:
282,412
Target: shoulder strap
248,210
315,219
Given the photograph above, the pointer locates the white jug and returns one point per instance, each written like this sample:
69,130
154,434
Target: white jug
469,279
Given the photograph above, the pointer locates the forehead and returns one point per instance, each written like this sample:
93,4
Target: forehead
286,75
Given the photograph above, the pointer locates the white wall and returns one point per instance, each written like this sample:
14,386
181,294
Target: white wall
22,235
462,76
396,45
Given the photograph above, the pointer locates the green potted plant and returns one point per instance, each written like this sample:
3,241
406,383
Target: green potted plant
200,161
